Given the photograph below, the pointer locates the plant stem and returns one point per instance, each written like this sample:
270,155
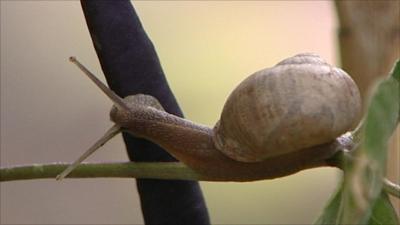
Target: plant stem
391,188
157,170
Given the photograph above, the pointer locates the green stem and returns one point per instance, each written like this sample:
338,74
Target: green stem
391,188
157,170
339,160
154,170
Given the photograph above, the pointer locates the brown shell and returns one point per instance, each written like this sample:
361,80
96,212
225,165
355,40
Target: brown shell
299,103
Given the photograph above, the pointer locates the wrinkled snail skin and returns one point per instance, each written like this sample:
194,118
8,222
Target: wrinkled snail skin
277,122
193,145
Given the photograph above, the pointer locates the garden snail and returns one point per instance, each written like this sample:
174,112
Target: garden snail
278,121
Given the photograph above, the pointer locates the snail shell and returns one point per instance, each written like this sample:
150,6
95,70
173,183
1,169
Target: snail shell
299,103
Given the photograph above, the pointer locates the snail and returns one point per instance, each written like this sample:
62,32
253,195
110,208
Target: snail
277,122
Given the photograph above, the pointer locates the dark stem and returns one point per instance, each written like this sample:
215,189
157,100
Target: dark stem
131,66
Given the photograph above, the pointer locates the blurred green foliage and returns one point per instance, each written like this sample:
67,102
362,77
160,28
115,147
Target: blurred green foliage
360,199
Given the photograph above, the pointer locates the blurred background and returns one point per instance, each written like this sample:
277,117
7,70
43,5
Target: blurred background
50,112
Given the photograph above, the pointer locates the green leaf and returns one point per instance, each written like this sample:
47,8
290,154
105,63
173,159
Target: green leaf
365,169
381,118
331,210
395,73
383,112
360,199
382,211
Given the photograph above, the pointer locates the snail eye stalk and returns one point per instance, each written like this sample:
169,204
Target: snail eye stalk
118,101
114,130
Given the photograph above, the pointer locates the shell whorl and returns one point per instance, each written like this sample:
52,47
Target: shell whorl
299,103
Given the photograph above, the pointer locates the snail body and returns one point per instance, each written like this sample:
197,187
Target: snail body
277,122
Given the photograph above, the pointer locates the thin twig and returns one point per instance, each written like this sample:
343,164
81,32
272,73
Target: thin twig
151,170
391,188
156,170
